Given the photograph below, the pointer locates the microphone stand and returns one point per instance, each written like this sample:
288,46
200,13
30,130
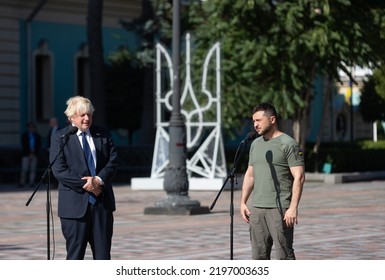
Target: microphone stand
231,176
48,201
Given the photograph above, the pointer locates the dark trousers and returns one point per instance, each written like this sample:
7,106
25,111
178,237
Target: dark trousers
267,228
96,228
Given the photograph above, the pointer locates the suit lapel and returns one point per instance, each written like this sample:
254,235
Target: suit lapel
74,142
95,134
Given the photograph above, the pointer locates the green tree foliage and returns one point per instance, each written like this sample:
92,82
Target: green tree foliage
379,77
372,104
273,50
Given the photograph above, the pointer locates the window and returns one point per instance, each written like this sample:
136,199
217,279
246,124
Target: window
43,90
82,72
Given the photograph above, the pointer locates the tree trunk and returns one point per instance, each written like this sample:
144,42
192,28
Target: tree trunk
147,126
301,116
148,119
95,44
300,121
325,104
300,126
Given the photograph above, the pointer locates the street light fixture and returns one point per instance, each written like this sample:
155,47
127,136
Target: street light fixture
176,182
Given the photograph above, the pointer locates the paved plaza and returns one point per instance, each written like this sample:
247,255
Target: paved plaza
336,222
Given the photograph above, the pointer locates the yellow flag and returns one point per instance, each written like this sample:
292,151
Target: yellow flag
348,95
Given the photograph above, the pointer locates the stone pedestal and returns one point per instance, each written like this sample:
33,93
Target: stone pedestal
177,205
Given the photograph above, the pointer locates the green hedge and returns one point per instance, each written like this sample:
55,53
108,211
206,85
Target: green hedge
358,156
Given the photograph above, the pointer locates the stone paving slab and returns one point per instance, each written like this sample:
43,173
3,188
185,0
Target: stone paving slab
336,222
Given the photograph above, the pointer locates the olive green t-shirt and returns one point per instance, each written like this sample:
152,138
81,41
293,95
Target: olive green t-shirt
271,161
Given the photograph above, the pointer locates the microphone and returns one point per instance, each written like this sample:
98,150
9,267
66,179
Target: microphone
70,131
250,137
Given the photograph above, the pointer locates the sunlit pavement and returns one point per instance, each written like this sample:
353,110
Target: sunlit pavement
336,221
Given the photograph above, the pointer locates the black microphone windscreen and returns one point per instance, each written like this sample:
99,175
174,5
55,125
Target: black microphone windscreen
72,130
251,135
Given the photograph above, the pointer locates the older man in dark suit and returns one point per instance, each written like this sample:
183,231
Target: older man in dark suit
84,169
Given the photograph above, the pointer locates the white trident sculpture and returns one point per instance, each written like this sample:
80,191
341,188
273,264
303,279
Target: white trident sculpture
206,168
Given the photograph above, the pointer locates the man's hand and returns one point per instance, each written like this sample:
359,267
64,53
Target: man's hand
245,212
92,185
291,217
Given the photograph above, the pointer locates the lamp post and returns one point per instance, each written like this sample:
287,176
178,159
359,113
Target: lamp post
176,182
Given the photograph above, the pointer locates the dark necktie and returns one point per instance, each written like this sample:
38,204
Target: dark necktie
90,163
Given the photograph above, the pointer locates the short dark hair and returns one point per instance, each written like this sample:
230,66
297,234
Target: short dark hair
267,107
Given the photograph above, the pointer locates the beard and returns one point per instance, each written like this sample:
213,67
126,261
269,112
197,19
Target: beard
265,130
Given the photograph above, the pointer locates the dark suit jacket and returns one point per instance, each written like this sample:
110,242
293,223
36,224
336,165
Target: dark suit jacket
50,134
70,166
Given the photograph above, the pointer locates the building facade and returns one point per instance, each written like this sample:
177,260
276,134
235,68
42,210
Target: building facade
44,61
44,58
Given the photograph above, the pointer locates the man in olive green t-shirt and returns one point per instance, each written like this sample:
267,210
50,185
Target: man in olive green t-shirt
274,181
